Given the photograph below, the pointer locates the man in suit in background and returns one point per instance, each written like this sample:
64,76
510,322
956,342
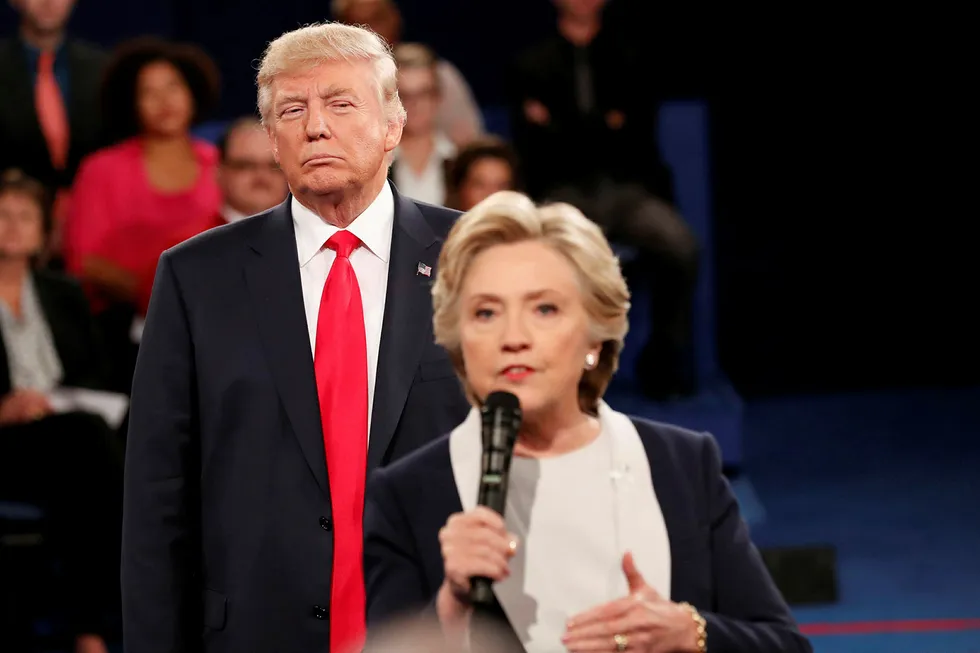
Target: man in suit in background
283,357
50,117
250,179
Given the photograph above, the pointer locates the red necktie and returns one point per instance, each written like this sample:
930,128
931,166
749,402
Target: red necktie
340,361
50,108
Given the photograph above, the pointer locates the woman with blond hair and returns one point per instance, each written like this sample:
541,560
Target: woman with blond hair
619,534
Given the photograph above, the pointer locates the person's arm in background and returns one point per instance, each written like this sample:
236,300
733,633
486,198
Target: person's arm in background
459,114
88,230
161,534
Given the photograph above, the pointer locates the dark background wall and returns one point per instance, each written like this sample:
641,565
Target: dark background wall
845,252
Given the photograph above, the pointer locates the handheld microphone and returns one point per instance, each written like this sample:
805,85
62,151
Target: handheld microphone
501,421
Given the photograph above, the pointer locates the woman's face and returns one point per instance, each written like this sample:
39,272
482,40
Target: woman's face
164,100
524,328
21,226
485,177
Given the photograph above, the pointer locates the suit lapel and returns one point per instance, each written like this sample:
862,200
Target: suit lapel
407,322
80,118
19,96
272,275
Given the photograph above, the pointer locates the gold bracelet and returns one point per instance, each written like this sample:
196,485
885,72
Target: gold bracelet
702,627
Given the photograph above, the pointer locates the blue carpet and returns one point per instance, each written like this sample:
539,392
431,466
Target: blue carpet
892,480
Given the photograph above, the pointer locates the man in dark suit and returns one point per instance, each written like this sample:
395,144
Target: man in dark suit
26,141
283,356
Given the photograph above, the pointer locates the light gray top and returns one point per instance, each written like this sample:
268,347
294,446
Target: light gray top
31,353
563,509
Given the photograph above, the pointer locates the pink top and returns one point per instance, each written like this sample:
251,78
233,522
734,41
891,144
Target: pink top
117,215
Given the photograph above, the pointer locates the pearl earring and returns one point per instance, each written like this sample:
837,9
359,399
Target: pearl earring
590,361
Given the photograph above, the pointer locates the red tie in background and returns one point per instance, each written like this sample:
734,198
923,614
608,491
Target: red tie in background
340,361
51,113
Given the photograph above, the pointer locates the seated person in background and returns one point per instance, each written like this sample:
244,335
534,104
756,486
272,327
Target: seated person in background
584,118
603,508
480,169
424,153
458,115
250,179
50,117
69,463
133,199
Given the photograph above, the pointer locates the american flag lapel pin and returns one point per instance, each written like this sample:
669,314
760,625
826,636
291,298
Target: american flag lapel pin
423,270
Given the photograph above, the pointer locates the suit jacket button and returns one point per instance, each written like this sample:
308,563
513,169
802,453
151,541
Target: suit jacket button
320,612
326,524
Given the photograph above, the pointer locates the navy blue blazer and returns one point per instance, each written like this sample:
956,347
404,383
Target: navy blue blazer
714,565
227,531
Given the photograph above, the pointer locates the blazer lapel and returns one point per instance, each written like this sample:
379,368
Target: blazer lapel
666,480
19,95
407,322
272,275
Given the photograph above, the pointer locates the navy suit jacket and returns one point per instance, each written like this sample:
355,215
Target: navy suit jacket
714,565
227,531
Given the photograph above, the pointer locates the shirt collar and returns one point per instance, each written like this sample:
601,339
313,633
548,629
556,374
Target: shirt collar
442,148
231,215
372,227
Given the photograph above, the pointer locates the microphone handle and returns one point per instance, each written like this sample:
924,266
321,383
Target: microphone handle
494,496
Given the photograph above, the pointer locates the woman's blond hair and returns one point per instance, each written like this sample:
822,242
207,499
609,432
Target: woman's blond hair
508,217
319,43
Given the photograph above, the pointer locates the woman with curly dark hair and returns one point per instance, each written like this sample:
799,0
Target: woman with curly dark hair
154,188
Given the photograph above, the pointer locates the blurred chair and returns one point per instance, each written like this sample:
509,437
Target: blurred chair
22,565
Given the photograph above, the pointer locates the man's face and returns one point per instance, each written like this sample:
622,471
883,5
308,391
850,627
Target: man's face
379,15
580,9
329,129
250,179
44,16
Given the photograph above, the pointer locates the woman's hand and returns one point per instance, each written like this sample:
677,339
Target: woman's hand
643,622
474,543
23,406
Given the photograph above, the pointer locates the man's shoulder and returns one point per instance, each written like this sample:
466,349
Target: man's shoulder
220,242
87,53
440,218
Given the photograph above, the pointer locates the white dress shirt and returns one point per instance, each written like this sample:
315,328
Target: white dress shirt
231,215
370,263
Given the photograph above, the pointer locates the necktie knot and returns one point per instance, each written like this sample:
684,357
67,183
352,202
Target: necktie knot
344,243
45,62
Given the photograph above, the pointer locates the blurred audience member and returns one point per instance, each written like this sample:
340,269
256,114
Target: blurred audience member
422,158
480,169
458,115
50,117
158,185
250,178
584,127
68,463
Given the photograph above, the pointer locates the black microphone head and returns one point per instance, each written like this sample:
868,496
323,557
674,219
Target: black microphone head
501,421
501,400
